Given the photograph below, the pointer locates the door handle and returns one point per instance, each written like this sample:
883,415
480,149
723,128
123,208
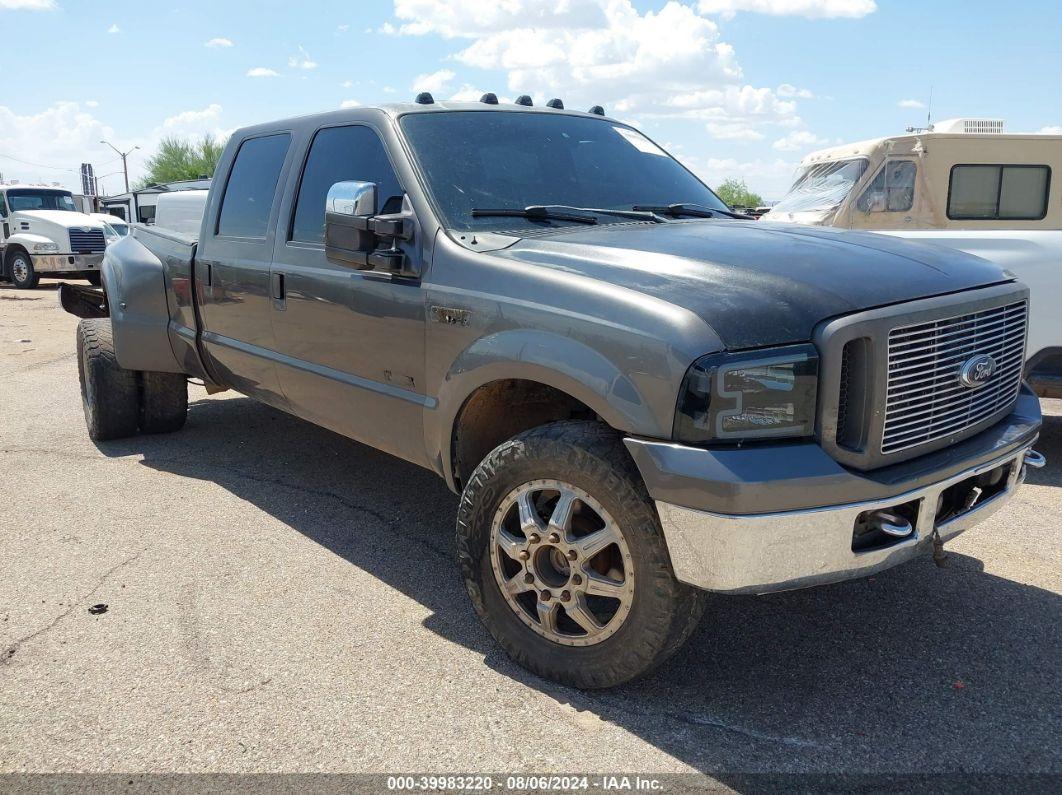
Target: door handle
278,286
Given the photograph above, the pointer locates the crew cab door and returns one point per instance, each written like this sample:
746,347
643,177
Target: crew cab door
350,343
232,270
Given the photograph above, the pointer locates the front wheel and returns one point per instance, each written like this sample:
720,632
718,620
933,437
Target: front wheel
564,559
23,276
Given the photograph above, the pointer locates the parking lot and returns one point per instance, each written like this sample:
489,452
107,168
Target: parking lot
280,598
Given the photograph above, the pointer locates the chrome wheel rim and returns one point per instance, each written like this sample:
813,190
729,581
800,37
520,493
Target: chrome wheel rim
19,269
562,563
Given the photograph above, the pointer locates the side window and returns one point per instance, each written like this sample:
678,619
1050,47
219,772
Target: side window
892,190
999,192
339,154
3,207
251,187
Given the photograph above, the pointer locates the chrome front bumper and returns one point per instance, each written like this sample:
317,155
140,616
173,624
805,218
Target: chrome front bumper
760,553
66,263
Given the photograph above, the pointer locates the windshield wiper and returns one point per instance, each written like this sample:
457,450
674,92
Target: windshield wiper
564,212
535,212
692,211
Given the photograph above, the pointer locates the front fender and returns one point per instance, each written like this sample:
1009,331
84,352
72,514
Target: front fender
551,359
27,240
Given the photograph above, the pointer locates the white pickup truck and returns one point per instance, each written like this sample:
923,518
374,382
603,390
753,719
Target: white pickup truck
965,185
43,234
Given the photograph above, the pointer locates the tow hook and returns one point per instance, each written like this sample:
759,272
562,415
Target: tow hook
1035,460
891,524
940,557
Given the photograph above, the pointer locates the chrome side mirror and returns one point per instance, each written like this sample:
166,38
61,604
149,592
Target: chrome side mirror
348,235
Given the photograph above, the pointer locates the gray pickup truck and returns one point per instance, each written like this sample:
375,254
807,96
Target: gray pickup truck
640,396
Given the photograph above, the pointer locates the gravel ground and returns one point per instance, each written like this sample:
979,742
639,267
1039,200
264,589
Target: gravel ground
283,599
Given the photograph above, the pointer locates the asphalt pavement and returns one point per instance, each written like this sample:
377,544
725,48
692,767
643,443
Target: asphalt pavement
279,598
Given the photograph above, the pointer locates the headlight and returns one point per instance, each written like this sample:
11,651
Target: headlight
45,248
765,394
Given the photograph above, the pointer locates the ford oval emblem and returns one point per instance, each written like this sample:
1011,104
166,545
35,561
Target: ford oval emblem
977,371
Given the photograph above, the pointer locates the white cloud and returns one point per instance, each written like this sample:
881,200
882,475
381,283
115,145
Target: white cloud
456,18
58,139
26,5
668,62
342,28
734,131
436,82
261,71
349,103
799,140
92,104
770,178
114,29
1051,129
208,115
302,60
789,91
813,9
470,93
219,42
910,103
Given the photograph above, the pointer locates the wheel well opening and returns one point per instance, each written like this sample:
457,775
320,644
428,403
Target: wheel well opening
499,411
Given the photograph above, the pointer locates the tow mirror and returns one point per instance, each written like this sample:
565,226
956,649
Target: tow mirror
348,236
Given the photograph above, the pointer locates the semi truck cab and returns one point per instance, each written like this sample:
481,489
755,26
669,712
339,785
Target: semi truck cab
43,234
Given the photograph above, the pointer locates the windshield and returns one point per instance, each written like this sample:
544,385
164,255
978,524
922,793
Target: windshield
33,199
822,186
502,159
118,226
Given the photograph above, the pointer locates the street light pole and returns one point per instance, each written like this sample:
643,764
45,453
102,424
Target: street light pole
123,155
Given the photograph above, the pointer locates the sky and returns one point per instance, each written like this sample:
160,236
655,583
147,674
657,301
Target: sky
733,88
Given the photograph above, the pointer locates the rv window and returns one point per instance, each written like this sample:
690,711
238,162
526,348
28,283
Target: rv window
822,186
1015,193
892,190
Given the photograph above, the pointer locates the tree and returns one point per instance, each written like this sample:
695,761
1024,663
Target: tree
178,159
737,194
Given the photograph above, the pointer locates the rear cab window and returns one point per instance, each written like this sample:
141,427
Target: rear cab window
252,187
999,192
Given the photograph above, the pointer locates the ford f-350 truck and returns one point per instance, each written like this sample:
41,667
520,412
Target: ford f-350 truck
640,397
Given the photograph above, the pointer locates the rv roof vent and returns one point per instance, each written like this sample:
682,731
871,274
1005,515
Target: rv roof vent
970,126
597,110
524,100
556,104
489,99
424,98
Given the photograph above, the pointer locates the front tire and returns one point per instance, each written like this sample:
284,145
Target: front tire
563,556
20,267
109,392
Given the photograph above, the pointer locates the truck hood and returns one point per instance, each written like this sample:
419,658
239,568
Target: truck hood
758,283
63,218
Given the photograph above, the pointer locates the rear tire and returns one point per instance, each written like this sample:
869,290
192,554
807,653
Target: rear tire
20,268
655,613
163,402
109,392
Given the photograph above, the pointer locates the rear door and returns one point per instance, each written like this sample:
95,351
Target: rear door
232,269
350,343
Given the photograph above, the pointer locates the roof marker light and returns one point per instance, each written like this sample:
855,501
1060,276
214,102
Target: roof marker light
489,99
424,98
556,104
524,100
597,110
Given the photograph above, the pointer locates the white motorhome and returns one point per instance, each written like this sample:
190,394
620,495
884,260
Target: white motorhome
43,234
964,184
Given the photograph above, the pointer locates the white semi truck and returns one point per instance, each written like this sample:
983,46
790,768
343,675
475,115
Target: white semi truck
43,234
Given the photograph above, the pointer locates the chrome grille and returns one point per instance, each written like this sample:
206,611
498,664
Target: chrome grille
90,242
925,399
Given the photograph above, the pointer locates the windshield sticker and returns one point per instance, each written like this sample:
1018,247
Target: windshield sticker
640,142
